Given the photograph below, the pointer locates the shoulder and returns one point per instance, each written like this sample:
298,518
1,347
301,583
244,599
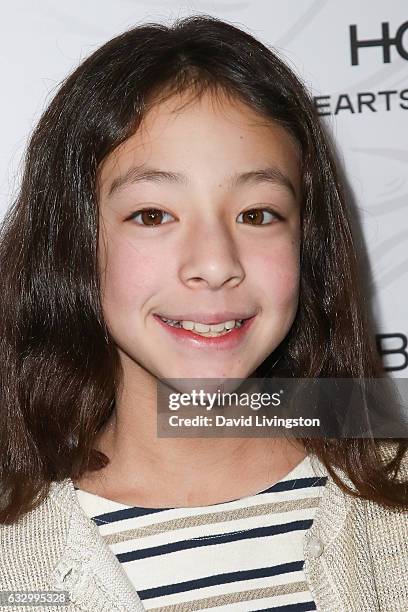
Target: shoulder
386,525
388,450
32,545
362,542
387,544
350,515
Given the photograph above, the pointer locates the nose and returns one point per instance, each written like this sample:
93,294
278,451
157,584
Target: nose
210,258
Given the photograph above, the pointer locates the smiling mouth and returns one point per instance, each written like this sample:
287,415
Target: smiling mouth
207,334
206,330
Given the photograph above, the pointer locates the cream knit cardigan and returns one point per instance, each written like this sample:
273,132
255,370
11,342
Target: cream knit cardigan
356,555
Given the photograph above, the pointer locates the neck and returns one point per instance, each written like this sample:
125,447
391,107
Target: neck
159,472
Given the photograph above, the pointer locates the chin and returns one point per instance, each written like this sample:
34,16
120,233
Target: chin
202,375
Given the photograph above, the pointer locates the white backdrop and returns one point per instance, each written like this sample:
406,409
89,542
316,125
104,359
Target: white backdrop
361,91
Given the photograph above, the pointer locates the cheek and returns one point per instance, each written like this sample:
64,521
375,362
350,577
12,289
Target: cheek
278,273
129,277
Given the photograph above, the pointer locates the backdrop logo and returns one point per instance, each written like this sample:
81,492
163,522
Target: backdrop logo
385,43
392,348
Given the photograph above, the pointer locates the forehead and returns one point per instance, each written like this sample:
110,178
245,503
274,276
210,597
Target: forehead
209,135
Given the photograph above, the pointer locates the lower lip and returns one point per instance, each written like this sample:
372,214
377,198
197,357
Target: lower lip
227,341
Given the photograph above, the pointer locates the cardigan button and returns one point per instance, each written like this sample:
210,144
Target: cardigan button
315,547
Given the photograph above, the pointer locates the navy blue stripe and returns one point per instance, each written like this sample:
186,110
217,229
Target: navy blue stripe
121,515
257,532
296,483
136,511
297,607
126,513
218,579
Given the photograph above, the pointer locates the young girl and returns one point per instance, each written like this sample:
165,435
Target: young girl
180,179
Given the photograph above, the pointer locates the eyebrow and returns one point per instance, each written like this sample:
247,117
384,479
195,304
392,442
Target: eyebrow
137,174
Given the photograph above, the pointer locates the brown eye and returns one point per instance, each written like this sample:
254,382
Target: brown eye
150,216
256,216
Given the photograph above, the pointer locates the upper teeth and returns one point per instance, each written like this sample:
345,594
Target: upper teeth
203,327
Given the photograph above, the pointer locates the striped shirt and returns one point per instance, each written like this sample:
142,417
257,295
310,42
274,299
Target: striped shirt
242,555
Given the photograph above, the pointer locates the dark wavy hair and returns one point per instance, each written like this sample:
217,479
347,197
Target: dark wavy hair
60,365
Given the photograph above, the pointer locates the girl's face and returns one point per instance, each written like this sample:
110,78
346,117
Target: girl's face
220,243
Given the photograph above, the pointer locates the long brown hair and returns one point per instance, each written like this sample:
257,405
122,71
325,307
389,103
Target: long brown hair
60,367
